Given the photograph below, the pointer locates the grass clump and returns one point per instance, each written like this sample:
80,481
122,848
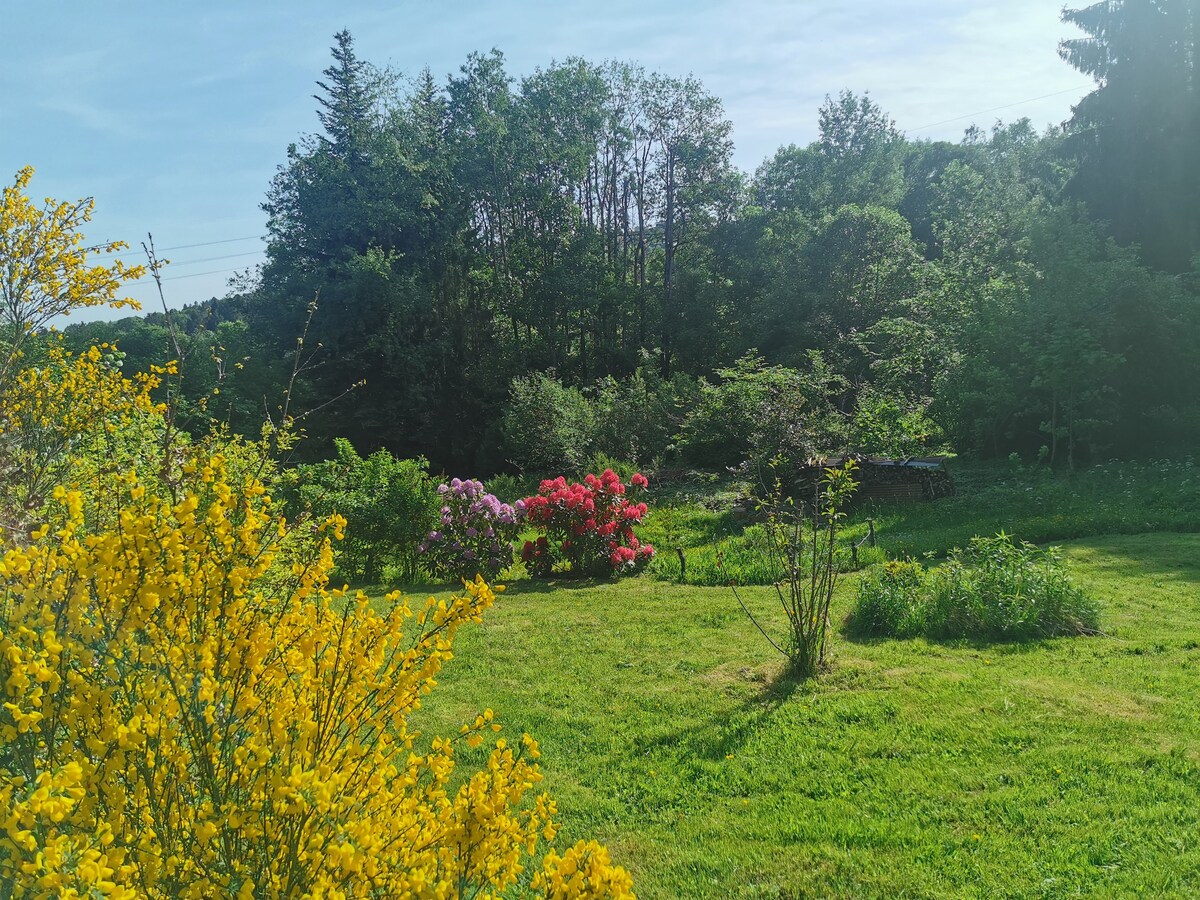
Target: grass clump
891,601
995,589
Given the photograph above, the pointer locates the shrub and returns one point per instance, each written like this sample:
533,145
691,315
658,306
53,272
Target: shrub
801,550
601,461
587,528
890,424
890,600
391,503
636,418
547,426
71,417
996,589
475,536
717,431
511,488
760,413
46,272
187,717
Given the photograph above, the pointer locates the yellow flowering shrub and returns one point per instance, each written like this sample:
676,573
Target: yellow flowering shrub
73,418
177,722
46,272
187,708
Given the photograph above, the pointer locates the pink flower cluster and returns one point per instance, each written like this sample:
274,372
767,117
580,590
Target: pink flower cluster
588,526
475,534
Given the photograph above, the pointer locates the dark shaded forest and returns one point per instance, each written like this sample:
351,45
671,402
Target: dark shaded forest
497,272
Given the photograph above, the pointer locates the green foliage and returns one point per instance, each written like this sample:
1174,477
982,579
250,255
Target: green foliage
599,462
856,159
636,418
891,601
891,426
391,505
1001,589
511,488
586,221
547,426
1134,137
801,548
760,412
996,589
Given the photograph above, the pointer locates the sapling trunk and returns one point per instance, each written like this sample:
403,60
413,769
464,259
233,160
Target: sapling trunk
802,544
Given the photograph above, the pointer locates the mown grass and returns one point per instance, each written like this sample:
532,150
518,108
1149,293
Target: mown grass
1064,767
1040,505
1033,504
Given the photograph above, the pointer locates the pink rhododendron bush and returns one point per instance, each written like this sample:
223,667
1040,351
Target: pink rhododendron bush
475,533
586,527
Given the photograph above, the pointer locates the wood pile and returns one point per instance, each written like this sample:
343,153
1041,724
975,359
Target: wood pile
909,480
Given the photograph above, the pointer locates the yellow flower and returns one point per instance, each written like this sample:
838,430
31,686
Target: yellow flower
225,723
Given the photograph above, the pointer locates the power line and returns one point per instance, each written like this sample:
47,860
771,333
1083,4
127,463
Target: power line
181,277
998,108
188,262
198,274
191,246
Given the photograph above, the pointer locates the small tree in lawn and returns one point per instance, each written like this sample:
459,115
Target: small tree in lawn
801,545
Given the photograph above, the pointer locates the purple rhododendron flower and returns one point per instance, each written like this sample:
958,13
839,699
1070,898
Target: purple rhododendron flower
476,532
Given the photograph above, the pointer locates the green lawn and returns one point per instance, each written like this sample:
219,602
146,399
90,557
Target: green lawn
1061,768
1034,504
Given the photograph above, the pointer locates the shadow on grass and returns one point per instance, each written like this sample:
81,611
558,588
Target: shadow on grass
1165,555
1006,645
550,586
779,689
716,739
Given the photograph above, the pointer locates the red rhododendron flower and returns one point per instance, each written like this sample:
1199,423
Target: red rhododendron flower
587,526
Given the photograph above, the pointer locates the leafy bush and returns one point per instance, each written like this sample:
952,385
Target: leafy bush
890,600
71,417
717,431
175,694
511,488
1003,589
587,527
636,418
760,413
997,589
550,427
891,425
547,427
392,503
599,462
475,536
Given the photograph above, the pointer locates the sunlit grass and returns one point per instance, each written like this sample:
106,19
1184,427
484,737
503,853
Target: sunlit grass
914,768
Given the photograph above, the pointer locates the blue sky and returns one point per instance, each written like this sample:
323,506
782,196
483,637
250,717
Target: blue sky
175,115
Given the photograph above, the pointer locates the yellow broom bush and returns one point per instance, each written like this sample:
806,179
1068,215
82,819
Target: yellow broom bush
185,717
188,709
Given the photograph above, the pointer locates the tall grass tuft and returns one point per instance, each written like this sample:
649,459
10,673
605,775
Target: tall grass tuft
996,589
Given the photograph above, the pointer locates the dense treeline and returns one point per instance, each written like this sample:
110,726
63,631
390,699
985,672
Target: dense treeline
530,270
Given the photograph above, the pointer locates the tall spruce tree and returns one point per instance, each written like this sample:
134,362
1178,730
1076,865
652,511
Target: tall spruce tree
1136,137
